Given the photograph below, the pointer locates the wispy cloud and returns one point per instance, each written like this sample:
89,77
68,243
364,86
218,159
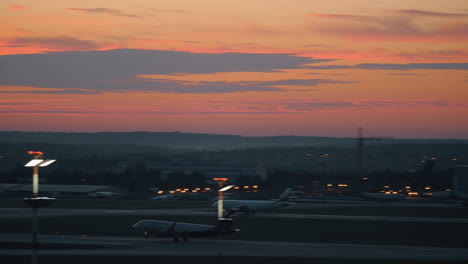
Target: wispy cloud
406,74
107,11
17,7
297,105
230,107
230,87
416,12
158,11
344,16
401,67
393,28
53,43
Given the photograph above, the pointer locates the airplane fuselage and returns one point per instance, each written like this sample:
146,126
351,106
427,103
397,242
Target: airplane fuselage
156,228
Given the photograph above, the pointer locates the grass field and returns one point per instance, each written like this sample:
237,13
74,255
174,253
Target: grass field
368,210
266,229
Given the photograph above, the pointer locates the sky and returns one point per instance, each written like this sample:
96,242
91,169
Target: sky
253,68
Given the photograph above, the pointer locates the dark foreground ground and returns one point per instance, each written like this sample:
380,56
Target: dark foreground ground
275,228
210,260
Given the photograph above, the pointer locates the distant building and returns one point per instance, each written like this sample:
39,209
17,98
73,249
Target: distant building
210,170
460,181
93,165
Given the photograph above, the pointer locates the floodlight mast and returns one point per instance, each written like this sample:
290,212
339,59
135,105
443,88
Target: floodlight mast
36,162
35,202
220,195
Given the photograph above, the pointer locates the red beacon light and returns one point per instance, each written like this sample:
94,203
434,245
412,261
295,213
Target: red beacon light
35,153
220,179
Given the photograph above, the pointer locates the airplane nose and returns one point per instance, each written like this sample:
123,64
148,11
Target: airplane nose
135,225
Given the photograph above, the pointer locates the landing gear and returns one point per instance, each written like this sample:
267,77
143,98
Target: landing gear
146,235
185,239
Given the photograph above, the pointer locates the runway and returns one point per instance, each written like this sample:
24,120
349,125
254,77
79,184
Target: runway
55,212
130,246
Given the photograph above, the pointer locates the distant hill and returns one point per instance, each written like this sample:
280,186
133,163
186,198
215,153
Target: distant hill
194,141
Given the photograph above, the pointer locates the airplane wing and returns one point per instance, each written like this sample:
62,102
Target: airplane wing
238,209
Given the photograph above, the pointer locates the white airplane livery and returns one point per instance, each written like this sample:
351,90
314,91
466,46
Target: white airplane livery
250,206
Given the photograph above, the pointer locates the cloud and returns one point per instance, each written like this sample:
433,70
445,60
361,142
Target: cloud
344,16
416,12
415,66
54,43
436,55
230,87
231,107
406,74
393,28
164,86
107,11
297,106
18,106
301,82
118,70
156,11
17,7
401,67
315,45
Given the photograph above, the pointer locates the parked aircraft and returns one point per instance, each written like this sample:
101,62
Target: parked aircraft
250,206
165,197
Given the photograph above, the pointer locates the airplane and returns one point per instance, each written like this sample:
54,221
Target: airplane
250,206
176,230
165,197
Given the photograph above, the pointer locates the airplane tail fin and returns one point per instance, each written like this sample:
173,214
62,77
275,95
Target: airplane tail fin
284,196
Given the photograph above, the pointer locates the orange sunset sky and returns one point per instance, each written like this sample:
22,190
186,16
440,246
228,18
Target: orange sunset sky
251,68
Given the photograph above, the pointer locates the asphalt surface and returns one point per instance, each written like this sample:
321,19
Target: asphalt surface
129,246
54,212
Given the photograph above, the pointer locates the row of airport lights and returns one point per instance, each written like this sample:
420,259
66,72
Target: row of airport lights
388,190
207,189
408,189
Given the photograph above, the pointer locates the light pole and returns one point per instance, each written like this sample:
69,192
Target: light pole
220,202
220,195
221,219
35,202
